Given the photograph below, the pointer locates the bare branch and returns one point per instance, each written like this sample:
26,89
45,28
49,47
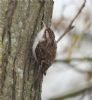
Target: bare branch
89,59
73,94
70,27
67,61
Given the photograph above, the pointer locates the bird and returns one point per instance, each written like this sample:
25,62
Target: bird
44,51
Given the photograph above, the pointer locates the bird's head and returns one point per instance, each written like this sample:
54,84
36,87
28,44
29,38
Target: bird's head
48,33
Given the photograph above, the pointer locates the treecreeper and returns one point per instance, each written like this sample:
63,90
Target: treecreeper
44,51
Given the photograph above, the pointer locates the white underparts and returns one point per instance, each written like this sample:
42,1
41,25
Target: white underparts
38,39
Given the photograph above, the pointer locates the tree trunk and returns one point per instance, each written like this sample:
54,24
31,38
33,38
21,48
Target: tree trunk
21,24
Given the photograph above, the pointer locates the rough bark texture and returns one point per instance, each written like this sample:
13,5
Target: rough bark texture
17,75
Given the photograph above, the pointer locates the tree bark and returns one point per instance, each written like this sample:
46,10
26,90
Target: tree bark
18,69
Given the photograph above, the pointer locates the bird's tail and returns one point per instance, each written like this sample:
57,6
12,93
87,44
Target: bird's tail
37,79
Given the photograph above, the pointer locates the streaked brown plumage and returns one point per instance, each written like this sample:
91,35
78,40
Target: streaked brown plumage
46,50
45,53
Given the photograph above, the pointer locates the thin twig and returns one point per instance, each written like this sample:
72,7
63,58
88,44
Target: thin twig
70,27
89,59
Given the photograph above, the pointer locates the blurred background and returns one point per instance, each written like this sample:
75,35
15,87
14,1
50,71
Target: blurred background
70,77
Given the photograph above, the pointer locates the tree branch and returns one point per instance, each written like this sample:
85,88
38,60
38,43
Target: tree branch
73,94
67,61
74,59
70,27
